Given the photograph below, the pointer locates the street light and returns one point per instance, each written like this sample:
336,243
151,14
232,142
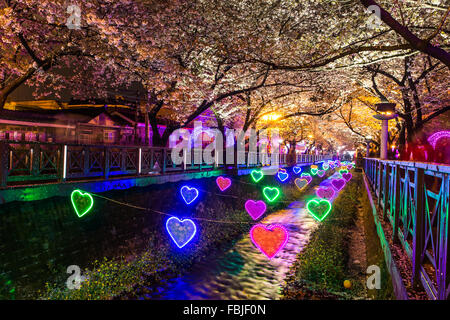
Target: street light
271,117
386,112
368,141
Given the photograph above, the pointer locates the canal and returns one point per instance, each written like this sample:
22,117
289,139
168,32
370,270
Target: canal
243,272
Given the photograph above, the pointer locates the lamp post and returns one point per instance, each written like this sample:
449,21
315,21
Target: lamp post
368,140
386,112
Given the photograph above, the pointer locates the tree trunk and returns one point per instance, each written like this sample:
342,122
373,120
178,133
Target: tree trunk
147,131
422,45
2,101
13,85
291,158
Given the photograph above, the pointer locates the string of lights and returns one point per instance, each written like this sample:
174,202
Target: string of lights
167,214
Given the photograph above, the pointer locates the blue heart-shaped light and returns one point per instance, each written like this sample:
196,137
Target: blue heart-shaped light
181,231
189,194
297,170
282,175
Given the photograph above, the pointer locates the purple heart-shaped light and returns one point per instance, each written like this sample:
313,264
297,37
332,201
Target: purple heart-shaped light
338,184
255,208
325,192
347,176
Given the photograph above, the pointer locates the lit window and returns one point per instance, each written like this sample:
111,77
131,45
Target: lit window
108,136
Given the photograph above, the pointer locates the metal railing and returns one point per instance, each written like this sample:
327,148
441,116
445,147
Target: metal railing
26,162
414,197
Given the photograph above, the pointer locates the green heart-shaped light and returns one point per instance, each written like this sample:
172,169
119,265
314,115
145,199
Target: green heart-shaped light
271,194
343,171
314,171
81,202
257,175
319,209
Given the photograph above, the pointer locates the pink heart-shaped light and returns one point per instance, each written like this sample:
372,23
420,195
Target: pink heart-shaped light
223,183
255,208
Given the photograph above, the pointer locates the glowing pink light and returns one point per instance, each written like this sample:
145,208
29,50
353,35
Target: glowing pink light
223,183
434,138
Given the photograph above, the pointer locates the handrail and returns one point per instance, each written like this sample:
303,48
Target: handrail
432,166
28,162
414,198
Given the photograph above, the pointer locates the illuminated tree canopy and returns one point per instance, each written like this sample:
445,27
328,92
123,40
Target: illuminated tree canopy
325,61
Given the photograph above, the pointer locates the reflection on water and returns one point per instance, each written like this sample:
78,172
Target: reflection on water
244,272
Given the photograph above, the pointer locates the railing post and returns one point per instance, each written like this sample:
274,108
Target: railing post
165,160
386,190
139,156
123,159
62,172
443,240
36,157
380,181
86,160
4,153
106,165
397,204
419,230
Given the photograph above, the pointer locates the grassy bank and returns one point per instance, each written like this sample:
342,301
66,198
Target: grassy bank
322,267
375,255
